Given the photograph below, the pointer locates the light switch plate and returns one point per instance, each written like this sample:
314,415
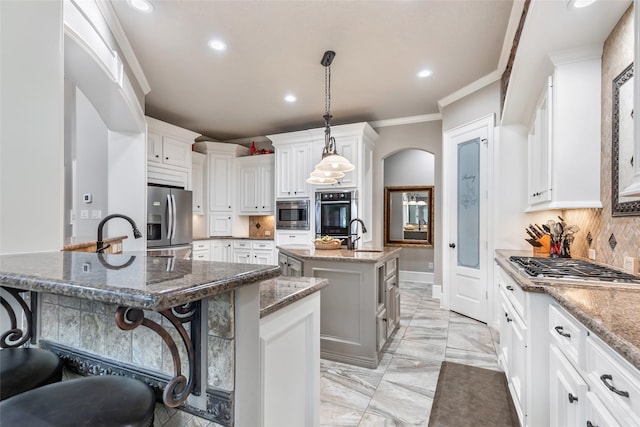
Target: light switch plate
592,254
84,214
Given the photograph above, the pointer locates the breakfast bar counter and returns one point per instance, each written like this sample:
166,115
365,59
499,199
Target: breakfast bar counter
189,329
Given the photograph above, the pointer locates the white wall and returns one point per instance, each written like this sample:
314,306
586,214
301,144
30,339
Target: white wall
31,126
91,167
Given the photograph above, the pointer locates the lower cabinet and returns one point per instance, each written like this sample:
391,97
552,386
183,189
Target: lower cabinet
253,252
221,250
290,365
567,391
290,266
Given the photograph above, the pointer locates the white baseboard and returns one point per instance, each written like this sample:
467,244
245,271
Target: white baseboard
425,277
416,276
436,292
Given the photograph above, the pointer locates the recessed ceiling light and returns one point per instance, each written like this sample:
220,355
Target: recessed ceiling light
580,3
141,5
424,73
290,98
216,44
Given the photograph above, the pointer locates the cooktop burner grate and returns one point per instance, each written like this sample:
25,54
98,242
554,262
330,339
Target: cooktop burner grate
567,268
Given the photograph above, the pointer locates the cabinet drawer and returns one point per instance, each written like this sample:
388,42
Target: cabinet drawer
514,293
390,267
568,334
200,246
242,244
258,245
614,380
597,414
201,256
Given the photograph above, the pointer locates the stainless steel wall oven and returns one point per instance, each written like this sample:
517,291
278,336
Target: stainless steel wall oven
334,211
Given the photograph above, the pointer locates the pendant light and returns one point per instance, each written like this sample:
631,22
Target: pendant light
332,166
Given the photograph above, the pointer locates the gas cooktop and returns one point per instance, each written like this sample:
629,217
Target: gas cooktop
567,268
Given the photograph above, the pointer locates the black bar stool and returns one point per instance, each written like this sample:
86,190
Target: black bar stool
91,401
23,369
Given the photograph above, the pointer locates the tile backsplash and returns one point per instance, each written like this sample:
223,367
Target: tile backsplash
598,223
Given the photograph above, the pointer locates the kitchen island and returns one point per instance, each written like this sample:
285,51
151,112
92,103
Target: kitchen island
360,309
190,329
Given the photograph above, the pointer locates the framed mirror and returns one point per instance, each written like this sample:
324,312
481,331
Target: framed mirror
622,145
408,216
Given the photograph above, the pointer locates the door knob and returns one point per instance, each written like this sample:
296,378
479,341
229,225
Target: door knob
452,245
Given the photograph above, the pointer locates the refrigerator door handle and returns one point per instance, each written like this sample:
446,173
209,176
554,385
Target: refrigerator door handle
170,215
175,216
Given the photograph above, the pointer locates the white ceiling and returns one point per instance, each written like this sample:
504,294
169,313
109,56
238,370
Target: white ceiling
275,47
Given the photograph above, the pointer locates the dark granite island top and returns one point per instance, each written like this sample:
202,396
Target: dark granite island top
280,292
609,309
131,279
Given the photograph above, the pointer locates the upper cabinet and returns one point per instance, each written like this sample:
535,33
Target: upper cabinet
293,164
221,184
197,180
169,154
564,137
256,178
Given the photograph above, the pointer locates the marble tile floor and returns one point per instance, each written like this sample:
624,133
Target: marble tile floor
400,391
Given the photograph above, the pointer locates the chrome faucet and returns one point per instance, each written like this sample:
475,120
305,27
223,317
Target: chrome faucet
351,242
100,244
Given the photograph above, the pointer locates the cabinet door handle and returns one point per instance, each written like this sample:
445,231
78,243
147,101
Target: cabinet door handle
572,398
452,245
510,288
559,330
605,378
166,158
157,155
590,424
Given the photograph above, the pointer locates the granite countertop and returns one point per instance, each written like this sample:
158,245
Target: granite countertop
131,279
233,237
280,292
343,255
608,309
74,243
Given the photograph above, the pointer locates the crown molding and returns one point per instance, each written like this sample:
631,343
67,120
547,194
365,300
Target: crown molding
406,120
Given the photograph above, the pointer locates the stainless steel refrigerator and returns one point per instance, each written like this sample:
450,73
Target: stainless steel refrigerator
169,217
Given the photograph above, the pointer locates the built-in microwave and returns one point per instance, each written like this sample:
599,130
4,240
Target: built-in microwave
292,214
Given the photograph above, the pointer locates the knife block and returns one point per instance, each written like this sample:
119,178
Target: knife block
541,252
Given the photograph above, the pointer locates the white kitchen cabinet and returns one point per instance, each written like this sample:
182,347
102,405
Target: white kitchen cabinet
256,178
197,180
290,365
169,159
297,238
220,224
220,184
564,139
201,250
292,168
254,252
221,250
567,392
524,349
585,367
614,380
539,149
263,252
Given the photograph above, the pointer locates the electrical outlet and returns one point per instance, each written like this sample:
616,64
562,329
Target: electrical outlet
430,266
267,232
630,265
592,254
94,214
84,214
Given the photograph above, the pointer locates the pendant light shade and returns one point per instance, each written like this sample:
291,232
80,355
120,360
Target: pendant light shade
332,166
335,162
